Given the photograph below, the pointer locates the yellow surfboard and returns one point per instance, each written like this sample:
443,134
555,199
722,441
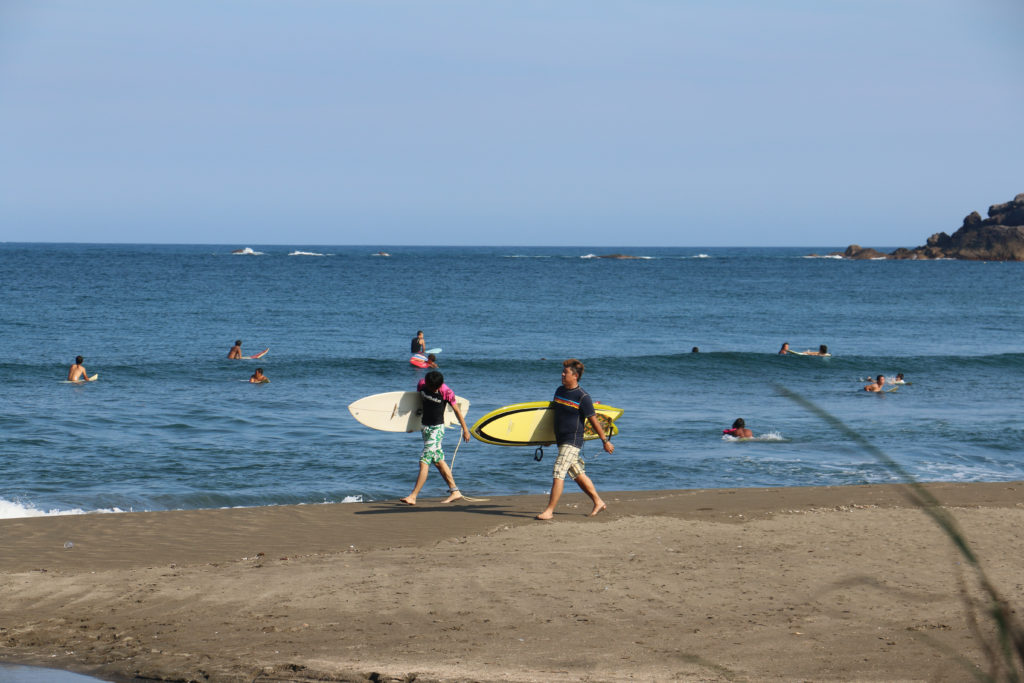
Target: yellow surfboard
533,424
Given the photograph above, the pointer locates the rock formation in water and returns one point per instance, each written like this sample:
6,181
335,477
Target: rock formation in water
1000,237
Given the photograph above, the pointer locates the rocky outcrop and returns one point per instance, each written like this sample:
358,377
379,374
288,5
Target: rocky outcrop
1000,237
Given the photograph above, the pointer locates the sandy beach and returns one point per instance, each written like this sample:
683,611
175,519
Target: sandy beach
839,583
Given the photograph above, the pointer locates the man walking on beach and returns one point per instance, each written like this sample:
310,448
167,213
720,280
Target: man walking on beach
436,397
573,407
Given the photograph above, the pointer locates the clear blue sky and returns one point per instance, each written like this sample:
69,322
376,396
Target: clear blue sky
653,123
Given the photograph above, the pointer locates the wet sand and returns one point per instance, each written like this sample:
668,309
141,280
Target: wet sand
835,583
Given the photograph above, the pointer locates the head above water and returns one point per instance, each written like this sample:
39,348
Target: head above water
238,342
739,423
822,349
78,360
433,380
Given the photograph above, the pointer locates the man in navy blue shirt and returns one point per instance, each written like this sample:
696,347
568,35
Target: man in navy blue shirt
573,408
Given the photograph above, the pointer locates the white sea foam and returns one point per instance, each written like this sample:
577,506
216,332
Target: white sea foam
352,499
305,253
247,251
16,510
767,436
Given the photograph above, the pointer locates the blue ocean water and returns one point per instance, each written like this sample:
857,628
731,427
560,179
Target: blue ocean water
173,424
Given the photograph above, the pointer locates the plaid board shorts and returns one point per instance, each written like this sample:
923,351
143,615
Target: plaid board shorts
433,436
568,462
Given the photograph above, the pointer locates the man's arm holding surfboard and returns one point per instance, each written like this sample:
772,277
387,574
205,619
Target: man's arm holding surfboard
609,447
462,420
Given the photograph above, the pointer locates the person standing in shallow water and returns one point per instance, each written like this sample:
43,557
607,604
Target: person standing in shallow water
573,408
418,344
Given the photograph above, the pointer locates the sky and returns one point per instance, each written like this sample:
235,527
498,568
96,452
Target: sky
496,122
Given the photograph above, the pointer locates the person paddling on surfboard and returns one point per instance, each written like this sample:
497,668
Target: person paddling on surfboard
877,384
822,351
573,408
739,430
436,397
77,373
258,377
236,350
785,349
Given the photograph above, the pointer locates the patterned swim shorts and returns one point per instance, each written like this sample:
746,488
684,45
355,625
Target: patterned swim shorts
433,436
568,462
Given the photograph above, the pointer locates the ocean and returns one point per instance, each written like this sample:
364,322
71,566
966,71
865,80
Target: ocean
172,424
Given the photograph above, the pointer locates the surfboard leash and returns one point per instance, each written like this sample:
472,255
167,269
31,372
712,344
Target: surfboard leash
451,468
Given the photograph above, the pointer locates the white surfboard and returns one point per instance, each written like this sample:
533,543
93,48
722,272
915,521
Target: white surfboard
399,411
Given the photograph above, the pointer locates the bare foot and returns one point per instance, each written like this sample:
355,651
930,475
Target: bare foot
455,495
545,515
409,500
599,507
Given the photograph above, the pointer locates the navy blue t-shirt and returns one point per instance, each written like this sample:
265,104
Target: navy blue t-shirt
572,408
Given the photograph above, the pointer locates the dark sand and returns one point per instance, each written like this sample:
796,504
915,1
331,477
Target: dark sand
838,583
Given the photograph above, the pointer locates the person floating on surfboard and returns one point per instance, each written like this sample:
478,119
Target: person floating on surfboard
236,352
573,408
739,430
822,351
436,397
785,349
77,373
258,377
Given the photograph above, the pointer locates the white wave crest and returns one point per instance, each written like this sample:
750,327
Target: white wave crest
15,510
247,251
305,253
767,436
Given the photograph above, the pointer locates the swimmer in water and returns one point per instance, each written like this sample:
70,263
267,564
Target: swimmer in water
785,349
77,373
822,351
739,430
877,385
258,377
